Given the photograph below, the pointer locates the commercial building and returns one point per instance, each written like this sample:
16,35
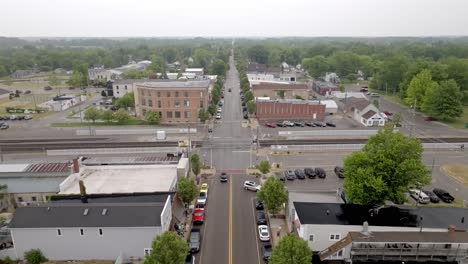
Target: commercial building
196,71
175,101
281,90
124,86
325,88
92,228
289,110
61,103
363,111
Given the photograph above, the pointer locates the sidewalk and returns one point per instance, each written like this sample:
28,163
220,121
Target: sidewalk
278,229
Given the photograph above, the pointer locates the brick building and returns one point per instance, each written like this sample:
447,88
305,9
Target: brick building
290,110
176,101
272,90
325,88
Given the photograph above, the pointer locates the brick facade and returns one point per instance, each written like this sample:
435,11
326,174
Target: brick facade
284,110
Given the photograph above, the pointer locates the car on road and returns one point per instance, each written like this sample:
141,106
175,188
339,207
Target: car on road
299,123
310,172
251,186
28,117
443,195
195,240
220,103
246,116
4,125
202,197
289,123
267,249
387,113
299,174
419,196
432,196
339,171
290,175
272,125
190,259
258,204
198,216
261,218
219,110
223,177
27,92
263,233
430,118
320,172
204,187
229,90
330,124
218,116
310,123
320,124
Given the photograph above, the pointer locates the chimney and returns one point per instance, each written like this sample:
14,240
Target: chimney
76,166
84,198
365,229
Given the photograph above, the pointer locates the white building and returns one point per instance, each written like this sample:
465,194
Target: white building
103,74
331,107
196,71
363,112
61,103
124,86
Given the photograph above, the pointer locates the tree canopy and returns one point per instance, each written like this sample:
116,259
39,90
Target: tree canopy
291,249
152,117
186,190
443,101
126,101
167,248
273,194
264,166
92,114
384,169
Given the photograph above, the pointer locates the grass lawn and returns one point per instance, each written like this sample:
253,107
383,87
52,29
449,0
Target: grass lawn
457,171
460,123
132,122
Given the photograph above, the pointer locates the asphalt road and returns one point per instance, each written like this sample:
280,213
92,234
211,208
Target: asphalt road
229,229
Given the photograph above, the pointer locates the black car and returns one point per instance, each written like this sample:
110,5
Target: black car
243,104
310,172
339,171
223,177
299,174
320,172
299,123
267,249
330,124
190,259
320,124
443,195
258,205
20,118
432,196
246,116
310,123
261,218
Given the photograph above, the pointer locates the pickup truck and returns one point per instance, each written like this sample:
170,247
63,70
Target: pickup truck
195,240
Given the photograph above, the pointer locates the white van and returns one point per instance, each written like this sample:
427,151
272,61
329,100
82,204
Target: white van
419,196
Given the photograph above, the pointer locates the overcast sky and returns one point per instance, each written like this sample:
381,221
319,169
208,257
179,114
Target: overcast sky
154,18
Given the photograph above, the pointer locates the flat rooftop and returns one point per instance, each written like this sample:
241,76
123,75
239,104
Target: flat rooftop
122,179
175,84
411,237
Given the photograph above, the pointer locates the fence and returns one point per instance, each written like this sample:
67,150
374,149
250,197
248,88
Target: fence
118,132
98,151
325,147
330,132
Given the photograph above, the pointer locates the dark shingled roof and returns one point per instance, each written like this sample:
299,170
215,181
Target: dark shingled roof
369,114
280,86
358,103
408,237
88,215
353,214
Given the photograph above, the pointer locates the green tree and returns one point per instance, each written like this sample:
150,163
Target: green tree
186,190
152,117
76,79
291,249
248,96
107,116
397,119
122,115
212,109
195,164
92,114
390,73
316,66
345,62
203,115
53,80
202,57
418,87
376,103
3,188
444,101
157,64
273,195
281,93
384,169
264,166
167,248
218,67
34,256
135,74
126,101
251,107
258,53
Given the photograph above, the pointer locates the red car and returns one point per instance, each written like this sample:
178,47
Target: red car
272,125
198,216
430,118
388,113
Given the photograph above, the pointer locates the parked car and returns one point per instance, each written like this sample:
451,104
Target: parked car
299,123
387,113
223,177
432,196
220,103
290,175
288,124
419,196
190,259
430,118
443,195
4,125
261,218
246,116
280,124
204,187
267,249
310,123
320,124
27,92
263,233
310,172
20,117
202,197
272,125
251,186
219,110
195,240
281,176
258,205
330,124
320,172
374,94
229,90
13,117
28,117
339,171
198,216
218,116
299,174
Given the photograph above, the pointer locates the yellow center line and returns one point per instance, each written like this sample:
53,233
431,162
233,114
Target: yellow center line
230,221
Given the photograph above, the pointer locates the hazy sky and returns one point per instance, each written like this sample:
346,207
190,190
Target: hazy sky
107,18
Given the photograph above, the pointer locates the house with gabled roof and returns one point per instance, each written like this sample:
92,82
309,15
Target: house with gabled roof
363,111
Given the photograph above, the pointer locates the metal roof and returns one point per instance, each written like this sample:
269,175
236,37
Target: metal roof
48,167
175,84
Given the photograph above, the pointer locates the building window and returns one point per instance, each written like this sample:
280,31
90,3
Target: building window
311,238
159,104
168,94
100,232
176,93
186,103
335,237
125,87
142,92
186,93
148,251
187,114
177,114
150,103
117,87
169,114
160,114
143,101
34,198
20,199
117,92
201,103
81,232
176,104
143,111
59,232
